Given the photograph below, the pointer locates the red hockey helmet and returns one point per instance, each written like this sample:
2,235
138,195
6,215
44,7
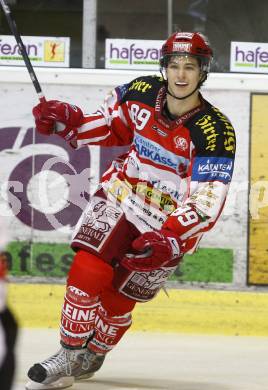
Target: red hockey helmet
187,43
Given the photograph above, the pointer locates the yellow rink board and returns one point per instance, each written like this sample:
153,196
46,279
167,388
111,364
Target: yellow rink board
185,311
258,222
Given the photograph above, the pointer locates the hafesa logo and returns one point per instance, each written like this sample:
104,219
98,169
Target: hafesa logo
132,54
54,51
249,57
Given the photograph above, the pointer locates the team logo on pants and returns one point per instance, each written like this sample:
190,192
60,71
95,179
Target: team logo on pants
98,223
143,286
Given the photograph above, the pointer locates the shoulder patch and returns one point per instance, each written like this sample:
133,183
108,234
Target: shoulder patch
140,85
143,84
214,133
228,130
144,89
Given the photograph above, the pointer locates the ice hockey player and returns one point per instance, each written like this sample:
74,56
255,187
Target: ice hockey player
153,204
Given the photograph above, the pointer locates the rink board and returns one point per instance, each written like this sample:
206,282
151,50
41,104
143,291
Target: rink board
258,221
184,311
24,153
53,260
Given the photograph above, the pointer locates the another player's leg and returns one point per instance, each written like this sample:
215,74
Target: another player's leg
8,334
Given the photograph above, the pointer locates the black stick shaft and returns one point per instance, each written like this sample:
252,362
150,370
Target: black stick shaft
13,28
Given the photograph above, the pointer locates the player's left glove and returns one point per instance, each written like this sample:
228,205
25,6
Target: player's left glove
153,250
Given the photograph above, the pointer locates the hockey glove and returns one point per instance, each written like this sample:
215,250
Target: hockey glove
57,117
153,250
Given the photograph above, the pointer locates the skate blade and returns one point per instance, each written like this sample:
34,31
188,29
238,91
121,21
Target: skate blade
61,383
84,377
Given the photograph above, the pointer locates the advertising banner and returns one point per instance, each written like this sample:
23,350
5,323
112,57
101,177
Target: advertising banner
42,51
249,57
132,54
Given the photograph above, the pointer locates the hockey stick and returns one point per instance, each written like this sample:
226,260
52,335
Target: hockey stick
13,28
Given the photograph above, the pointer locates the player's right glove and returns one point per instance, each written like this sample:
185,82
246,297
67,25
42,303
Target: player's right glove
57,117
153,250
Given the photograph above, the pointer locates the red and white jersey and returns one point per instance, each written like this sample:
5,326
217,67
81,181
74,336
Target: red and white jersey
177,171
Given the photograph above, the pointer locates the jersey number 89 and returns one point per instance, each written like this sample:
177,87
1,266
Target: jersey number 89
139,116
186,217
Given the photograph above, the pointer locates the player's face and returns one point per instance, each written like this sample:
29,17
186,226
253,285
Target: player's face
183,74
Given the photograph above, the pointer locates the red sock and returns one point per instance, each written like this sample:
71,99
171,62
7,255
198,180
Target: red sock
108,330
88,276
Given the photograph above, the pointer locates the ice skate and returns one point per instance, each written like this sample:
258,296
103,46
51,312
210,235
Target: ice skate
62,369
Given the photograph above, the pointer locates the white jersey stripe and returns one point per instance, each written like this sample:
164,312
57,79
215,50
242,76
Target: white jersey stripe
92,125
88,141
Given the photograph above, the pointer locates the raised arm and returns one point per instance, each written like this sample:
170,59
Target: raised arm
108,126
